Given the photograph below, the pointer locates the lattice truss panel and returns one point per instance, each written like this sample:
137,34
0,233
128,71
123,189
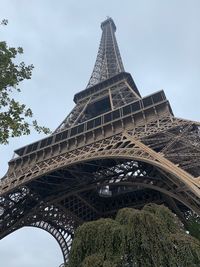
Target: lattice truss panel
119,95
159,134
155,162
24,208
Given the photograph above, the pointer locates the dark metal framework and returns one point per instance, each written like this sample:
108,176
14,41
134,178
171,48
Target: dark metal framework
115,149
108,62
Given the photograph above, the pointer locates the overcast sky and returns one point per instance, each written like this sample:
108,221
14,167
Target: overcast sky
159,42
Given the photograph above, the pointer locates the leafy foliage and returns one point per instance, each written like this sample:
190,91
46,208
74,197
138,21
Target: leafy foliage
194,225
152,237
14,116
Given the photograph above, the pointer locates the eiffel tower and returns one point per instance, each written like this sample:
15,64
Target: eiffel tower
115,149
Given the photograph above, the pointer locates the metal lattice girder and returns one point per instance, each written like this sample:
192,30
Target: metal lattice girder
116,146
53,219
63,238
24,173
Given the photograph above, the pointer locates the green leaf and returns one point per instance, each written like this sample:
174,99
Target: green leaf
14,116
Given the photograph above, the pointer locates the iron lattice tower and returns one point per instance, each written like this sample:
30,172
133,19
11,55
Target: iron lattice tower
115,149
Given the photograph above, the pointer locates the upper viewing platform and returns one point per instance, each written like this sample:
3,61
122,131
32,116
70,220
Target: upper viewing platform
107,83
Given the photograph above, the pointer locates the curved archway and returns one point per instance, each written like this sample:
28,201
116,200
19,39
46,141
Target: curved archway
122,146
169,184
132,149
30,246
170,167
130,166
63,238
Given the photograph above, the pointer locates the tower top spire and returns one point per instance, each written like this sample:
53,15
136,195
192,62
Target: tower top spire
108,62
108,21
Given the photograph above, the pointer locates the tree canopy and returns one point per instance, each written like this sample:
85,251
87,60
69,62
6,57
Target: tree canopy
151,237
15,118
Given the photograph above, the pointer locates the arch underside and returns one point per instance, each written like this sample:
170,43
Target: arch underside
95,182
63,237
51,218
92,189
99,182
